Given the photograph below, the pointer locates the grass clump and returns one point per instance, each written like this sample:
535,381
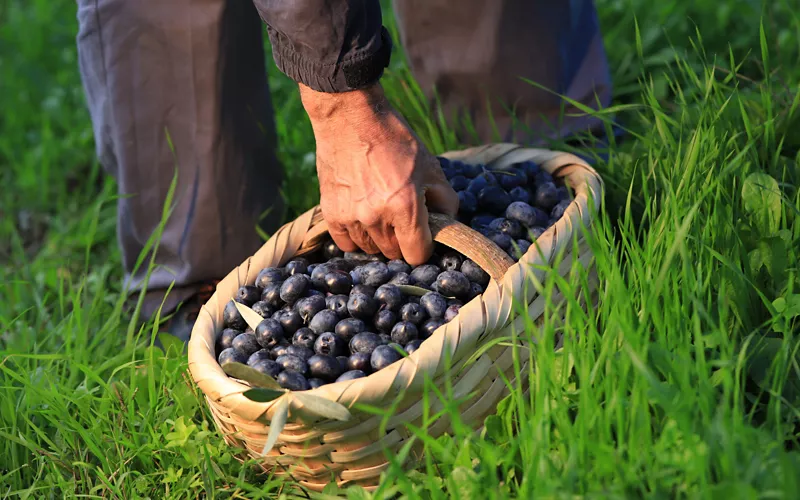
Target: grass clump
682,380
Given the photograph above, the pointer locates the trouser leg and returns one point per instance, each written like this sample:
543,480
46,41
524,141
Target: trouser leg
179,84
475,54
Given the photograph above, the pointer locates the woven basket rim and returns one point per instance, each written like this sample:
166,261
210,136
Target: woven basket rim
588,188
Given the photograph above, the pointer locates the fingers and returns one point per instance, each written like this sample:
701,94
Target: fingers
384,237
413,232
361,237
341,237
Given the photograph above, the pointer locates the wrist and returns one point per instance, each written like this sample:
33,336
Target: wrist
344,107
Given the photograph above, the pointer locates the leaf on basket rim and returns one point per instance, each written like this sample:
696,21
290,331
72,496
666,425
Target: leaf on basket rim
417,290
262,395
254,377
276,424
323,407
251,317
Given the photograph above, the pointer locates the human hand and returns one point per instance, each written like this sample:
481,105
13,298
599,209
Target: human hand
377,180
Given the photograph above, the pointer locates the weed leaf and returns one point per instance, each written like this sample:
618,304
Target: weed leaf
262,395
251,317
323,407
254,377
276,424
762,200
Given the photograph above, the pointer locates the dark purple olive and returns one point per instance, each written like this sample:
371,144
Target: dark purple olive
351,375
367,290
270,275
384,320
526,214
245,343
474,290
225,339
338,304
304,337
290,320
383,356
293,381
359,361
248,295
452,284
279,350
268,367
508,226
404,332
257,356
298,265
511,179
375,274
331,250
493,199
413,313
293,363
450,261
324,321
401,279
389,295
451,312
294,287
520,194
300,351
425,274
467,203
365,342
324,367
231,317
546,196
269,333
473,272
398,266
232,355
413,346
316,383
559,209
349,327
519,248
308,307
330,344
262,309
272,295
337,282
434,304
362,306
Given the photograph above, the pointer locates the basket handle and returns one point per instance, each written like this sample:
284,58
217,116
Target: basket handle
445,230
465,240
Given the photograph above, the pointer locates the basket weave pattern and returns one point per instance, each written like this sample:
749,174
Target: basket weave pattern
314,450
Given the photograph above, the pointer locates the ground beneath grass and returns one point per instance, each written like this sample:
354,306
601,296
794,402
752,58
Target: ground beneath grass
683,381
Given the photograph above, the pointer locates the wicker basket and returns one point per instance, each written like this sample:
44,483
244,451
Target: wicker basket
316,450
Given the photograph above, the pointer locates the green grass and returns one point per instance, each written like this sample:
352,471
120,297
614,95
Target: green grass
683,381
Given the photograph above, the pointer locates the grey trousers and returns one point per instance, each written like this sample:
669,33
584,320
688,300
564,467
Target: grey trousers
179,88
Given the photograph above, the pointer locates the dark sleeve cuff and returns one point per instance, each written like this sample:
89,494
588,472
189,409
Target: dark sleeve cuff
359,70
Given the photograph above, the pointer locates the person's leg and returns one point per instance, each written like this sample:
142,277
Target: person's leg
476,52
174,84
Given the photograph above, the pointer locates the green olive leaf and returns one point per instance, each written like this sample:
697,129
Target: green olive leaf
323,407
254,377
276,424
762,200
251,317
262,395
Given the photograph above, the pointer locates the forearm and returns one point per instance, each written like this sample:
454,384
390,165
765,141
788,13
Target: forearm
330,46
